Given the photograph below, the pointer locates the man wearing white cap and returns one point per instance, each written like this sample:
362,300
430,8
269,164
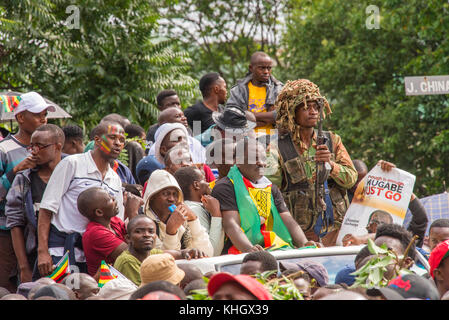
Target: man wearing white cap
30,114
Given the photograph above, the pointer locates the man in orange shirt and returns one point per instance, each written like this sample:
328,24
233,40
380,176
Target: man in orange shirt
257,92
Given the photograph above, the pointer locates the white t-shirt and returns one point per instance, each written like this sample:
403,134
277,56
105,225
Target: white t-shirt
71,176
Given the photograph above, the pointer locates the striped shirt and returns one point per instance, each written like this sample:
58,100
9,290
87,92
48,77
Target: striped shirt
12,152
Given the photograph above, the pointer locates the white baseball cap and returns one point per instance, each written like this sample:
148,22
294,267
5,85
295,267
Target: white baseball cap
34,103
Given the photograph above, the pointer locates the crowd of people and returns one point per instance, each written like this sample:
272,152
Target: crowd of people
224,176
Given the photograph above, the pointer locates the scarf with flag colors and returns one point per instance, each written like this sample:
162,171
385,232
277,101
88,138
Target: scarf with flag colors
9,102
105,274
254,202
62,269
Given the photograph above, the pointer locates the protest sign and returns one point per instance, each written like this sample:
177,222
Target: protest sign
379,190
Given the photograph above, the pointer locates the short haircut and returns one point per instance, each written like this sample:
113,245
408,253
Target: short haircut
160,285
54,130
440,223
185,177
191,271
135,189
256,55
268,261
383,215
115,117
164,114
207,81
132,223
73,132
362,254
86,201
102,127
194,285
134,130
398,232
164,94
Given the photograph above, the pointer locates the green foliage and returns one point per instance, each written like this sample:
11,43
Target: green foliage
361,72
221,35
114,62
200,294
373,272
280,288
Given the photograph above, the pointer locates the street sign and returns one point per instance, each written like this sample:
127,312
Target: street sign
426,85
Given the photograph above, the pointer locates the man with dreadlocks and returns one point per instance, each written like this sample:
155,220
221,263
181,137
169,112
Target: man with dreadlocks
293,161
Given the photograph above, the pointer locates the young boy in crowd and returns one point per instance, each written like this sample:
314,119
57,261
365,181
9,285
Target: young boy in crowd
197,197
141,237
105,235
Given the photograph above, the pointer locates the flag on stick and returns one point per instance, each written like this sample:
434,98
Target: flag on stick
62,269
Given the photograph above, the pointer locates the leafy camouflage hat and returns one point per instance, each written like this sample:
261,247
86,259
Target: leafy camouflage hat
293,94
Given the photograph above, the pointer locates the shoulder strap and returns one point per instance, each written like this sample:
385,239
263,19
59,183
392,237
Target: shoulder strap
286,148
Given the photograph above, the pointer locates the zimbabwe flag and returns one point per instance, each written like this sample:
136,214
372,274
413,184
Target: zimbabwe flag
9,103
62,269
253,204
105,274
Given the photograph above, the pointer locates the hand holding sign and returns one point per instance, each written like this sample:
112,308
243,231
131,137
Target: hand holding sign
383,195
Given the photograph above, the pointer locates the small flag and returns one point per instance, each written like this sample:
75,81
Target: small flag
9,102
62,269
105,274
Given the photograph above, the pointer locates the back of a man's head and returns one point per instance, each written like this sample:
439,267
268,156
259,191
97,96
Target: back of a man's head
134,130
191,271
197,284
159,285
267,261
206,83
73,132
360,166
185,177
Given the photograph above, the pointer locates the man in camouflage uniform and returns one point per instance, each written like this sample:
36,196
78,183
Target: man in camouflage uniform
293,159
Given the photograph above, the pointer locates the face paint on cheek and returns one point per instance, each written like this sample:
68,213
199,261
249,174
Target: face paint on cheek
104,146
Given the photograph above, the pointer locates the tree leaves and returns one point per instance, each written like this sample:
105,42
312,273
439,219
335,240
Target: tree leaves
361,71
115,62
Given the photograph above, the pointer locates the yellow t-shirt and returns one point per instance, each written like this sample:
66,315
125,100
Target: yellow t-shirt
256,103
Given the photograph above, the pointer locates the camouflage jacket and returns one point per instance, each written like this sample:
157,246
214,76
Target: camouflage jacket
343,173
